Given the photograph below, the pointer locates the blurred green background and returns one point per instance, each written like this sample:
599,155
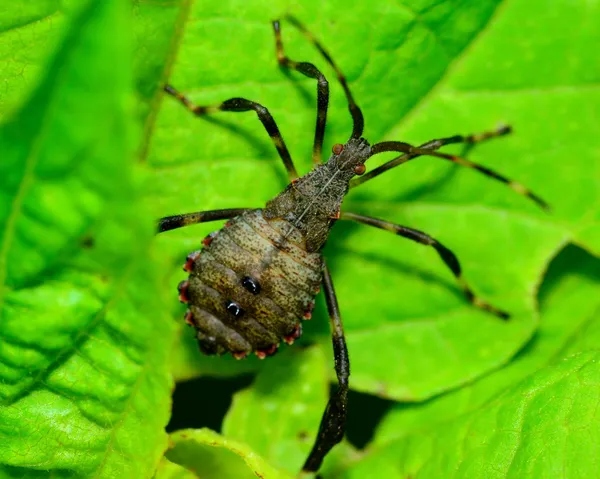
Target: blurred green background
92,153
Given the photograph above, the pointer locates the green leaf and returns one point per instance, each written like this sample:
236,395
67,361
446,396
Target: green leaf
209,455
432,339
569,307
30,31
170,470
157,29
83,356
85,342
24,14
279,415
545,427
419,71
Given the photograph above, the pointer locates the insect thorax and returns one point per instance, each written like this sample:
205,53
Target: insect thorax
312,203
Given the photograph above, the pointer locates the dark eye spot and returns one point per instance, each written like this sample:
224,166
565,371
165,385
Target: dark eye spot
251,284
234,309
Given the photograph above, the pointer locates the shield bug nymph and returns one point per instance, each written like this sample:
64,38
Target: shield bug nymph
255,280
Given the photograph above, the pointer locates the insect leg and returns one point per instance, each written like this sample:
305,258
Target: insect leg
411,150
241,104
333,423
447,256
309,70
173,222
357,116
431,145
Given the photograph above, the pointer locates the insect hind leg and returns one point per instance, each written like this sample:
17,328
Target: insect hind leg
333,422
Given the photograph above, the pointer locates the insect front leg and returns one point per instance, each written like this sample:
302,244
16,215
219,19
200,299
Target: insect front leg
413,151
178,221
333,423
432,145
447,256
241,104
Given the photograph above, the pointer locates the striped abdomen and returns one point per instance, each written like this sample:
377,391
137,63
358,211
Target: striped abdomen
250,286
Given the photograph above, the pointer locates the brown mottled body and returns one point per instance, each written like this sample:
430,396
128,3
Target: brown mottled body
256,278
277,248
273,253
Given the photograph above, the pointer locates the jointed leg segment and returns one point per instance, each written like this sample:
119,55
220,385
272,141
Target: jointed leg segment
309,70
333,423
417,151
178,221
357,116
241,104
447,256
431,145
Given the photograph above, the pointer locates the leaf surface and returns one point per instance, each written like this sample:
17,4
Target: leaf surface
419,71
570,308
209,455
84,382
547,426
280,414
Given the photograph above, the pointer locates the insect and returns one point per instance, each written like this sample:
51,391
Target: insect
255,280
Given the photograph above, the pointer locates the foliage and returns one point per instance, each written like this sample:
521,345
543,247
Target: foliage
92,154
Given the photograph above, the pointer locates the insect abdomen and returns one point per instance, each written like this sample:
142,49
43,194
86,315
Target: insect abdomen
251,285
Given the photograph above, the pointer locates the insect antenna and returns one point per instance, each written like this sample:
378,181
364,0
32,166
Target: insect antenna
402,147
357,116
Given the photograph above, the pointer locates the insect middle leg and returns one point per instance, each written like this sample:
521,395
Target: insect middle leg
432,145
178,221
333,423
241,104
447,256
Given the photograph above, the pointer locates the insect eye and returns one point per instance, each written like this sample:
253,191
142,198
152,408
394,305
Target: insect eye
234,309
360,169
251,285
337,148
